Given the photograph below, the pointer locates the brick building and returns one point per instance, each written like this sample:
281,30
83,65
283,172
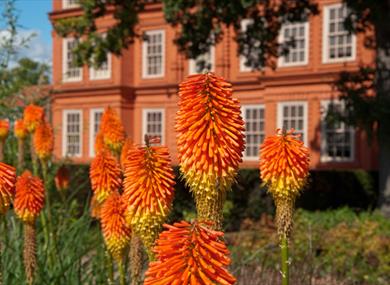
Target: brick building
142,86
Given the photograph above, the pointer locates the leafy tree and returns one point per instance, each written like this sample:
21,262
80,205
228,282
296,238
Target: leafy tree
10,40
201,24
13,82
25,72
366,93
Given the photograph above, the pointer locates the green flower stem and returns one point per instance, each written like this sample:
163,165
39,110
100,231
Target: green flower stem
122,273
52,235
109,268
47,193
20,166
285,260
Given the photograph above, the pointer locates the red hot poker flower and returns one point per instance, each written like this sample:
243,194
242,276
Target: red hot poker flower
43,140
7,186
105,175
4,129
148,190
62,178
29,198
33,115
284,167
114,227
284,164
210,131
112,129
19,129
189,254
125,151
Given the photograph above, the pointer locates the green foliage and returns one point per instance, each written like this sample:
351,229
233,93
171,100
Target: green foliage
80,254
201,24
14,80
336,247
94,47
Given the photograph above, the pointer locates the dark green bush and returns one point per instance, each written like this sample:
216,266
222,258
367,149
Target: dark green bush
329,247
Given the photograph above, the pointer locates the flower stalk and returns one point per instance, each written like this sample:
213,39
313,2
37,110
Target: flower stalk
30,252
210,140
29,200
284,260
284,167
135,257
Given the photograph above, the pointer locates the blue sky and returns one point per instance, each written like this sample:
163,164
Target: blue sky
33,18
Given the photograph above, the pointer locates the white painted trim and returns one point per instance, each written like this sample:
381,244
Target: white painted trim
192,62
305,116
323,156
67,5
145,111
242,59
93,72
92,113
64,63
325,43
243,109
281,62
144,54
64,130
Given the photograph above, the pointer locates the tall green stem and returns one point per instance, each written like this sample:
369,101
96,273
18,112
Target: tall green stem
47,187
122,273
20,155
284,259
109,267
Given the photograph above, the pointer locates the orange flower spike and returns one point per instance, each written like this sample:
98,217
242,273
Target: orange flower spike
33,115
184,256
19,129
43,140
7,186
99,142
61,179
4,129
148,190
29,198
129,144
105,175
115,230
95,208
210,132
113,130
284,164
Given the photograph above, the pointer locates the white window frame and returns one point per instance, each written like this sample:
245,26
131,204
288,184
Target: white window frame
98,73
243,67
144,55
144,122
192,63
305,116
325,38
92,134
65,133
67,5
243,111
324,157
65,77
281,59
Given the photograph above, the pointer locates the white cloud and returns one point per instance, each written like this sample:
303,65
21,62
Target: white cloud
36,48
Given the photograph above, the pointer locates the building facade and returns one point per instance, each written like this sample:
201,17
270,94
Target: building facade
142,85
